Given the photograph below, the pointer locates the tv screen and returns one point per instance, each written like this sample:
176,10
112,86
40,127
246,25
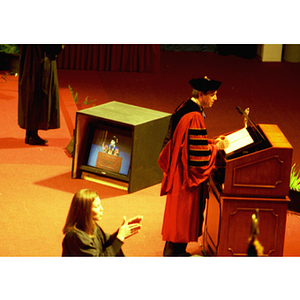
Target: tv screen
109,151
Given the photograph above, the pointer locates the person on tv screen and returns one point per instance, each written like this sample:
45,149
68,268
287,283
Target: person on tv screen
112,148
187,161
84,237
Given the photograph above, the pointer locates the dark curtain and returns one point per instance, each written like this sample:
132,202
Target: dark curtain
130,58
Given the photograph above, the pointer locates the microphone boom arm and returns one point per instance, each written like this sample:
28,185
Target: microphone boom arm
248,118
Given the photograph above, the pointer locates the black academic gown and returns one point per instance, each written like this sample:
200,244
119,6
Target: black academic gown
78,243
38,106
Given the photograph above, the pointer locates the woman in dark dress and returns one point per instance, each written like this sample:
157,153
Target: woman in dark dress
84,237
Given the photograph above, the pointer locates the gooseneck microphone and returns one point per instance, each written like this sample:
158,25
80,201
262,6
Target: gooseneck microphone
248,118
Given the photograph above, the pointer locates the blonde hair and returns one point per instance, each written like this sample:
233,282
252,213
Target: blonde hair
195,93
80,212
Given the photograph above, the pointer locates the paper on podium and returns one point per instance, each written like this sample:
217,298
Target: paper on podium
238,140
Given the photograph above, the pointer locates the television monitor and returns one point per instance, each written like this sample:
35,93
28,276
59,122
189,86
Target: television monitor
139,134
108,150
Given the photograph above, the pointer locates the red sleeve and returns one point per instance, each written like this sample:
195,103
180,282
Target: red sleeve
198,155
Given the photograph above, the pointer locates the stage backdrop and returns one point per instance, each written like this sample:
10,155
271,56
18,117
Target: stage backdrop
129,58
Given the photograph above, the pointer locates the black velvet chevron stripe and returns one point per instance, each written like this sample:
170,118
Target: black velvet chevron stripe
198,163
202,142
197,132
199,152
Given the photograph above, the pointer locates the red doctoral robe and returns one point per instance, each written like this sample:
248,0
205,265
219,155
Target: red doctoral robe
187,160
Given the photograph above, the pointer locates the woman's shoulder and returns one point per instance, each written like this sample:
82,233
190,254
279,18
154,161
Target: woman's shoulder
74,234
78,243
75,231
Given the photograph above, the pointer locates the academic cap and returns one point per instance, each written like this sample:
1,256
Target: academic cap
205,84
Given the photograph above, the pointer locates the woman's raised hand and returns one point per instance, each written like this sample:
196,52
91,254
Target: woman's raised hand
129,228
136,219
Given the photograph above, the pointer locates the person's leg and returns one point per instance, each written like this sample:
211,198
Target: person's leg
168,250
32,138
175,249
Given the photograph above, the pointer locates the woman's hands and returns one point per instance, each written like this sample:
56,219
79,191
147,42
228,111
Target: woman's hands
129,227
136,219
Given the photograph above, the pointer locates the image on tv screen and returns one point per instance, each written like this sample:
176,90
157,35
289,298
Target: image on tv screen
110,151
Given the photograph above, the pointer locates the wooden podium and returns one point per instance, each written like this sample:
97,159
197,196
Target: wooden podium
239,186
109,162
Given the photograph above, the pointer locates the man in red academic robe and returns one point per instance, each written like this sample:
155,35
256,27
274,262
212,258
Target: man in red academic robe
187,161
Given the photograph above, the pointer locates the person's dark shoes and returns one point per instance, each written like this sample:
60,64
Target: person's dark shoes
32,138
35,141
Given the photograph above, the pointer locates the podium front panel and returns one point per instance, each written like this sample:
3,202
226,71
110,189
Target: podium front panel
228,224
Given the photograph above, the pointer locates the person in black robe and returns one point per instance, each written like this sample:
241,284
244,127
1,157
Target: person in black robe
38,103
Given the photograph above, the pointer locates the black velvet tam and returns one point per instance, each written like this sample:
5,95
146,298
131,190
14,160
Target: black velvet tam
205,84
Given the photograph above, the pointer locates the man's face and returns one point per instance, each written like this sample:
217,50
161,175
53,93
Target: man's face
208,99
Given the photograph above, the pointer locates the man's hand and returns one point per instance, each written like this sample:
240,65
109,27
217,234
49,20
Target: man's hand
222,142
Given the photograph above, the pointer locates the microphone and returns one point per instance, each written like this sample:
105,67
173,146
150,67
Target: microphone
243,113
248,118
240,110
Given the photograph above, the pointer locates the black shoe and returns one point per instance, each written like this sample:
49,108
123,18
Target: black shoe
35,141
